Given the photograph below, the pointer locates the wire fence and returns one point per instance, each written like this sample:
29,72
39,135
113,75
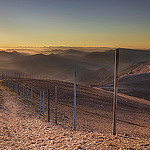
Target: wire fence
54,101
37,92
62,95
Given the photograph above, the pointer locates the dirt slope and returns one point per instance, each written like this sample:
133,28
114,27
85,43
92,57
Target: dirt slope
92,106
21,128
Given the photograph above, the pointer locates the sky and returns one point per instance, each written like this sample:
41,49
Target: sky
97,23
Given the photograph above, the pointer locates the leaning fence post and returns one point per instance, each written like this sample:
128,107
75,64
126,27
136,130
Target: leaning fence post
115,89
48,105
75,100
40,101
31,97
43,106
56,104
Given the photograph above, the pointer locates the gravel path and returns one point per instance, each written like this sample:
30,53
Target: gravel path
21,128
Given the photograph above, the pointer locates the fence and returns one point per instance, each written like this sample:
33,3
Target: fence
72,105
43,96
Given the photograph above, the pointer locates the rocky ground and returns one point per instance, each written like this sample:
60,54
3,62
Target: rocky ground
21,128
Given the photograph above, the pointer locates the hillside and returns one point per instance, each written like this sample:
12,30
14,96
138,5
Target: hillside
93,105
60,64
21,128
135,82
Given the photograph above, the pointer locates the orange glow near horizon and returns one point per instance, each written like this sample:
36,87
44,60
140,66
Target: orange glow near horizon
72,24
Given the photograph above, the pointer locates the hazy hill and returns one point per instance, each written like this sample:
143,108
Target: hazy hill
94,77
61,64
73,52
127,57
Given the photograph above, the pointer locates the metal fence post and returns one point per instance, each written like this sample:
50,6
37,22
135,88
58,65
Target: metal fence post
8,80
115,89
23,91
43,105
75,100
5,80
56,104
40,101
18,90
16,86
12,83
27,93
31,97
3,77
48,105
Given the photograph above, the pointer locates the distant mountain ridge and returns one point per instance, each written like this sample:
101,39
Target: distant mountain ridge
60,65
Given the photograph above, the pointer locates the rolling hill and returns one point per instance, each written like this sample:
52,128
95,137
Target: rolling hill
60,65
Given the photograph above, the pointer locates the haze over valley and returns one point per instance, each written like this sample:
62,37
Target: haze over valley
93,68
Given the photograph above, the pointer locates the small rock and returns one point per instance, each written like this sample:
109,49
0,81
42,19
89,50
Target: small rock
125,134
79,147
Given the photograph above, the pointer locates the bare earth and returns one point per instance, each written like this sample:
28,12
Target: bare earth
21,128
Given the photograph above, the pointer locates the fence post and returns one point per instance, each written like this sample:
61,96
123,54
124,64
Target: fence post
31,97
48,105
27,93
23,91
115,89
18,89
56,104
3,77
8,80
16,86
40,101
5,80
43,106
75,100
12,83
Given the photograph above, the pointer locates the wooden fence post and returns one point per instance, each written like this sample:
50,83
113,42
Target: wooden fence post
115,90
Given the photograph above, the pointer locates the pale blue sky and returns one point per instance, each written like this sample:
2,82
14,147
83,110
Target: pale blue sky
119,23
